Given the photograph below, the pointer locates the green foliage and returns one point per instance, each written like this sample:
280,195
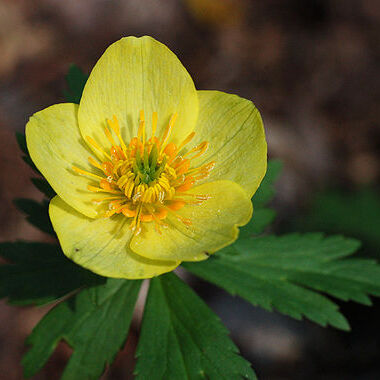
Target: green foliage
262,215
266,191
38,273
356,213
37,213
76,79
94,323
21,141
40,183
261,219
181,338
287,273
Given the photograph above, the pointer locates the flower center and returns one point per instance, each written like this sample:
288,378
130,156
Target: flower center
148,178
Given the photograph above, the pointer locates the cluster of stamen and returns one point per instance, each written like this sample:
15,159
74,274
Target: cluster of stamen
148,178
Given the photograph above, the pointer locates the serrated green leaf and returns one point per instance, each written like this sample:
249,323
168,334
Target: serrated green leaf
263,216
287,273
356,214
38,273
76,79
261,219
94,323
21,141
181,338
37,213
42,185
266,191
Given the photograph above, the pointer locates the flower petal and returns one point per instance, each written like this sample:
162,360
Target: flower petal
234,129
138,74
213,225
101,245
55,145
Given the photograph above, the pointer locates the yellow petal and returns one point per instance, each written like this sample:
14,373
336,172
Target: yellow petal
138,74
55,145
234,129
101,245
213,225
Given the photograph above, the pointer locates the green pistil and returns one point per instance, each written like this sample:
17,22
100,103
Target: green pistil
160,168
153,156
147,168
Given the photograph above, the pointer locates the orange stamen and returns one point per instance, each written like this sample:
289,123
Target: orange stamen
170,149
176,205
114,124
186,141
168,130
128,213
147,178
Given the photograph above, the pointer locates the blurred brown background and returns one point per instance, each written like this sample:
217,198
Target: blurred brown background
311,67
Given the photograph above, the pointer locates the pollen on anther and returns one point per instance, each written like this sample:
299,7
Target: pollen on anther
149,177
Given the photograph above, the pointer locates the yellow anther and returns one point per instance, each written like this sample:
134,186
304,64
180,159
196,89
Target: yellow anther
122,181
146,179
129,188
161,196
164,184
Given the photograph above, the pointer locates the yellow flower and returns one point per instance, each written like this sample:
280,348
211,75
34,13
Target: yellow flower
148,171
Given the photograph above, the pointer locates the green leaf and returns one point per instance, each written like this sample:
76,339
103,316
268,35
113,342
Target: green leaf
265,192
181,338
76,79
356,214
263,216
38,273
261,219
287,273
94,323
21,141
37,213
42,185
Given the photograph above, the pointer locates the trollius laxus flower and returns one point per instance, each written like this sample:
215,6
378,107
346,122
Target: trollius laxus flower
148,171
